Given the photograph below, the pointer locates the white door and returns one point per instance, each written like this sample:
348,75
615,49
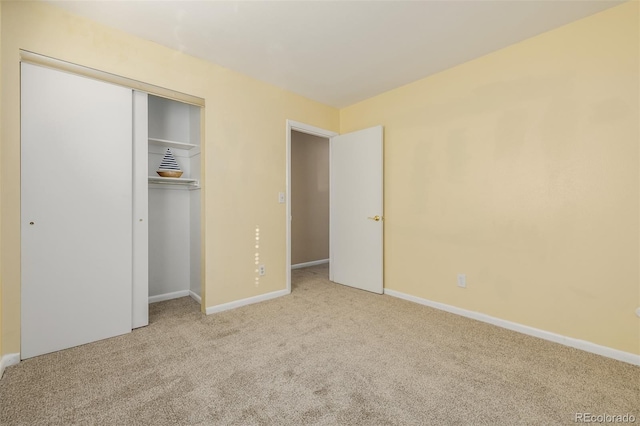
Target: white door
140,293
76,210
356,223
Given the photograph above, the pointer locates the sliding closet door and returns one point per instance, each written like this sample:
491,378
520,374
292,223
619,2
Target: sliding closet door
76,189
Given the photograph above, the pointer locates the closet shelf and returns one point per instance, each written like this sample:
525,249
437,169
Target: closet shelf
171,144
191,183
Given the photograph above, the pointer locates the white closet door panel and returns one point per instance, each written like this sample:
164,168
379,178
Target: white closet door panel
140,302
76,189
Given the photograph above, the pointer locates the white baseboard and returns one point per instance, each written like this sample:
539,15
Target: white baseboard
195,296
307,264
247,301
169,296
535,332
7,361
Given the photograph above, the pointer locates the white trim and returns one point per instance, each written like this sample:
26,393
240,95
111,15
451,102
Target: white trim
331,206
7,361
195,296
310,130
168,296
247,301
307,264
524,329
49,62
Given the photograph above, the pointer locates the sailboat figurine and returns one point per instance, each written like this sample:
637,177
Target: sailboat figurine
169,166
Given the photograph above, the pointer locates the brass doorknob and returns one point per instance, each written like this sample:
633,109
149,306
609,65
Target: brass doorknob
376,218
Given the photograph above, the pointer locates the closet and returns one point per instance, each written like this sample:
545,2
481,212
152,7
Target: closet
102,234
174,203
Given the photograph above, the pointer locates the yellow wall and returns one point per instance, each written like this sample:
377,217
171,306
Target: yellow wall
244,147
520,169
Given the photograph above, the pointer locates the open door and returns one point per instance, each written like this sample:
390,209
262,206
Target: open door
356,224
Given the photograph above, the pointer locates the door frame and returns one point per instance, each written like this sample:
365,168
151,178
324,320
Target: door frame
310,130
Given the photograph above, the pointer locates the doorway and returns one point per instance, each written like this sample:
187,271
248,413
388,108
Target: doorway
307,207
309,204
356,181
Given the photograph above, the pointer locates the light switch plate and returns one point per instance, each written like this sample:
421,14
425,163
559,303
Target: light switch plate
462,280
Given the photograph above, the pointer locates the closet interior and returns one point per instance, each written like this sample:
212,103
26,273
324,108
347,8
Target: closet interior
174,203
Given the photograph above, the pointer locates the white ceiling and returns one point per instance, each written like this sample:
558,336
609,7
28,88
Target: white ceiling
336,52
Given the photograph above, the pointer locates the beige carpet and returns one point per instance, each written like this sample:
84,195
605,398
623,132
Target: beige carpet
326,354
